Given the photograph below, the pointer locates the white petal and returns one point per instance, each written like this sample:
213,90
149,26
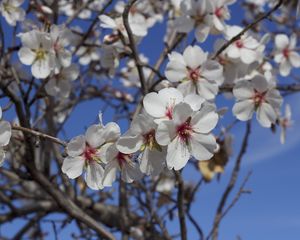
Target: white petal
175,71
165,132
76,146
294,59
131,172
260,83
130,144
285,68
281,41
154,105
182,111
243,90
26,56
213,71
94,176
110,173
266,115
41,68
5,133
248,56
194,100
152,162
73,166
177,155
207,90
93,135
205,120
107,22
243,110
194,56
203,146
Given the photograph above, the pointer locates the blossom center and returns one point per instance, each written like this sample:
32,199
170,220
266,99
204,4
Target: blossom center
219,12
259,98
194,74
122,158
184,130
239,44
149,140
89,153
40,54
286,52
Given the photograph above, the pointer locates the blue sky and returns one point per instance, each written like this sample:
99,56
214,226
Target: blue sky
272,210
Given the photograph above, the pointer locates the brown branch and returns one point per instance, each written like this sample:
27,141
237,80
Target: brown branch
132,46
39,134
230,186
247,28
180,205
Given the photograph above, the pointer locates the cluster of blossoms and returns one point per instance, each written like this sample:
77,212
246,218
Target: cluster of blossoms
177,120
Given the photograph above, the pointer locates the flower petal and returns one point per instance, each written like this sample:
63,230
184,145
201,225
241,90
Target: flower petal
73,166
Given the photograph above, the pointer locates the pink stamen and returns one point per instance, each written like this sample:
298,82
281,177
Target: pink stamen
219,12
169,112
184,130
259,98
89,153
121,157
239,44
194,74
286,52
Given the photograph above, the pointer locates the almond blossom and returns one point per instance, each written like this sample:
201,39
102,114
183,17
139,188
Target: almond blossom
137,24
59,84
245,48
87,153
195,15
60,37
188,134
196,74
161,105
220,13
285,53
11,11
141,138
5,135
257,95
37,51
118,161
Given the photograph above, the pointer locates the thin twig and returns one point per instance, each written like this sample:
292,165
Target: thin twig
132,46
180,205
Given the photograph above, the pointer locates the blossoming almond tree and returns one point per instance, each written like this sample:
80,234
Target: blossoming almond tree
175,80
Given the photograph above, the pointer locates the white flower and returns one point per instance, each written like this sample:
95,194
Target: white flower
198,75
11,11
141,138
118,161
137,24
37,51
5,135
88,153
257,95
246,48
60,84
188,134
285,122
61,37
161,105
196,15
88,54
285,53
220,13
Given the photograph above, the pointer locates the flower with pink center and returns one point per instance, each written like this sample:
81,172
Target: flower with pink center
285,53
88,153
118,161
160,105
140,139
220,14
188,134
196,15
257,95
61,38
246,48
196,74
